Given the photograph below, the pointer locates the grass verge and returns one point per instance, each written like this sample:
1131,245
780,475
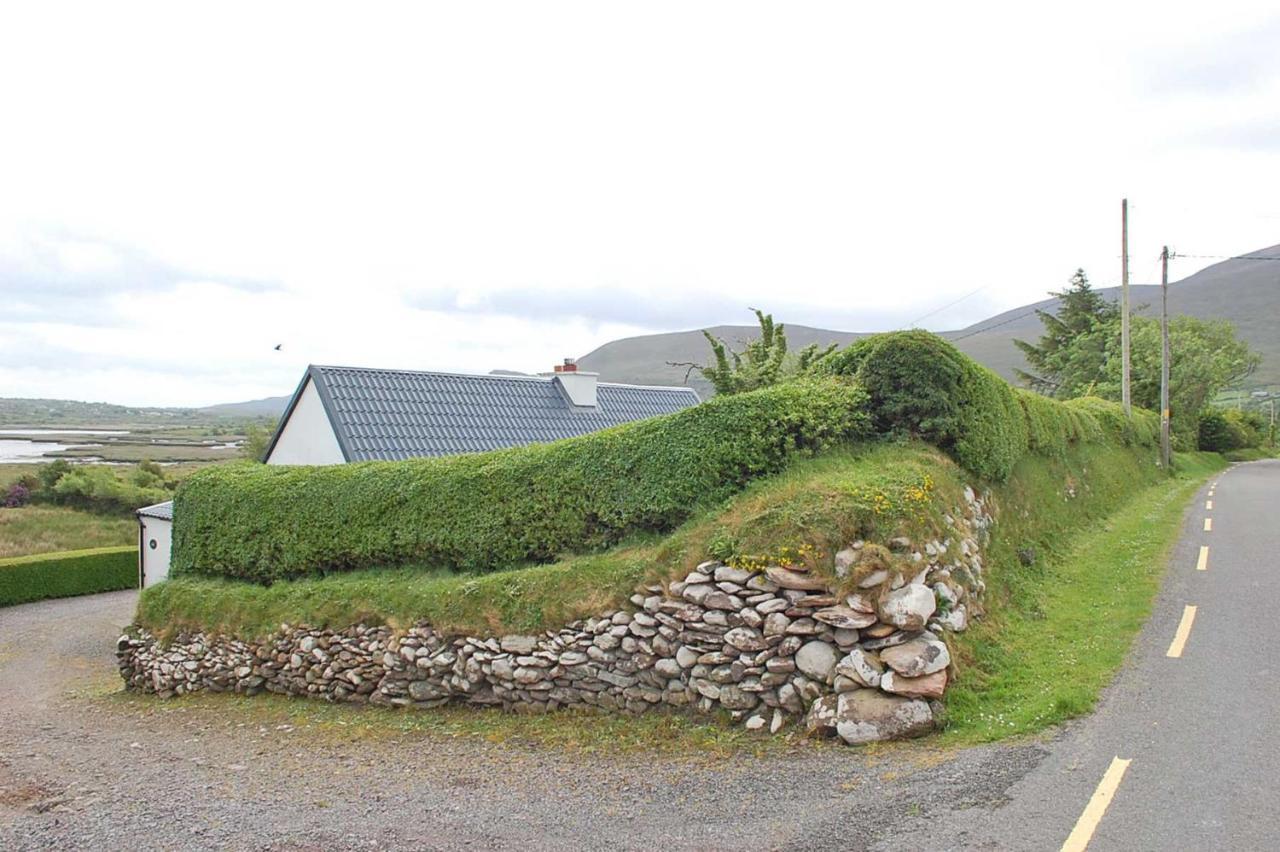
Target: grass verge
1045,655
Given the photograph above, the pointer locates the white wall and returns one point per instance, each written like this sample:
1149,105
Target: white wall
308,436
155,560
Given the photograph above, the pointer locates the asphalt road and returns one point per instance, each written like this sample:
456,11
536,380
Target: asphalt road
1201,730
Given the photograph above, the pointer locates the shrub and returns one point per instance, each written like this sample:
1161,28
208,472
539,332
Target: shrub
74,572
497,509
1224,431
99,487
919,385
17,496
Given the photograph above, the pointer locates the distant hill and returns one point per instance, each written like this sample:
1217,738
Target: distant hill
1246,292
271,406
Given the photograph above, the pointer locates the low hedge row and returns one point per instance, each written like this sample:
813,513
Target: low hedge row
493,510
62,575
921,386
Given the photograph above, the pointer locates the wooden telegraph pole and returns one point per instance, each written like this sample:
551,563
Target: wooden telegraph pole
1124,308
1165,455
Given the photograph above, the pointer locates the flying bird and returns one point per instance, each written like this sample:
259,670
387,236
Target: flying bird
278,345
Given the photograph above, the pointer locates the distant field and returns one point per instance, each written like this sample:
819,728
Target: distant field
47,529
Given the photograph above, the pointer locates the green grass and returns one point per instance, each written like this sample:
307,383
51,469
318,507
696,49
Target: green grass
49,529
1065,625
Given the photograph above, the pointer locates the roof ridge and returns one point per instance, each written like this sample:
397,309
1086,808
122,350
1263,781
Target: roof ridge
517,376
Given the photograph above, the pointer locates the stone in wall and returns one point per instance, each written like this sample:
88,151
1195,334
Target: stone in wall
769,648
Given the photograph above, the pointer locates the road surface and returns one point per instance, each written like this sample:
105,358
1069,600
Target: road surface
1200,729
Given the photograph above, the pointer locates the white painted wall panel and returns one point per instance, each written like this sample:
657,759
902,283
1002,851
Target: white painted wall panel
308,436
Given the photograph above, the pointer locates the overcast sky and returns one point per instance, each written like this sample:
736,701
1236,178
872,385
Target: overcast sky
486,185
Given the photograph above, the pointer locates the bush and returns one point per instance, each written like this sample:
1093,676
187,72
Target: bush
74,572
17,496
921,386
1223,431
493,510
98,487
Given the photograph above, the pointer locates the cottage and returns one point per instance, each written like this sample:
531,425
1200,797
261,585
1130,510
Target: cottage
155,538
350,414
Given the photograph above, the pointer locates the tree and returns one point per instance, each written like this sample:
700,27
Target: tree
1071,355
256,439
1206,357
763,362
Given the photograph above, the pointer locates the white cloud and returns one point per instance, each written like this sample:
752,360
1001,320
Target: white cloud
206,184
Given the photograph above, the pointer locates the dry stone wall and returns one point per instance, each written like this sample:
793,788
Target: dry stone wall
771,648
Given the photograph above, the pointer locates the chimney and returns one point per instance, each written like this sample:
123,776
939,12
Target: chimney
578,387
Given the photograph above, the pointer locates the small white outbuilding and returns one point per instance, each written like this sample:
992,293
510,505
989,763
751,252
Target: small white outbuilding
155,540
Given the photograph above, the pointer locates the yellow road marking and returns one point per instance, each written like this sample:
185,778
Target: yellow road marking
1202,564
1184,630
1097,807
1208,524
1208,505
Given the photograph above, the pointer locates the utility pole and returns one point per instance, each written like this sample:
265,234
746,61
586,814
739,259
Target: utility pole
1165,455
1124,308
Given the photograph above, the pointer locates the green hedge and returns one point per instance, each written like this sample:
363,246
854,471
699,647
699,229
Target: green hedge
72,572
492,510
923,387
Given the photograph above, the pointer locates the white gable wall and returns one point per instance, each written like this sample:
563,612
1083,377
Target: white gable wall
307,436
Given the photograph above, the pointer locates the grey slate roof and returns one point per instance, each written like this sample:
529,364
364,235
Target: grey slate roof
400,414
163,511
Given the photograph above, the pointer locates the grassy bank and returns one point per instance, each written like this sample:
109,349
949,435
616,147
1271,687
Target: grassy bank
49,529
1065,624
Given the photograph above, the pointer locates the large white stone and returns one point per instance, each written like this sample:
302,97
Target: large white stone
868,715
908,608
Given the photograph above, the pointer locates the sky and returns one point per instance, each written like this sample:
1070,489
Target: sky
477,186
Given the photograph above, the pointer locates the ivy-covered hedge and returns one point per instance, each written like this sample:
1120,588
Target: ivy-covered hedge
921,386
62,575
493,510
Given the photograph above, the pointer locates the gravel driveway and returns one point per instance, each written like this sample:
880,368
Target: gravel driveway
82,769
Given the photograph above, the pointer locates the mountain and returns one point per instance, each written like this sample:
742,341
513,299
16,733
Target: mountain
1243,290
271,406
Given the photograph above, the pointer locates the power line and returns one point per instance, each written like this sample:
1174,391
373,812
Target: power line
918,320
996,325
1179,255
